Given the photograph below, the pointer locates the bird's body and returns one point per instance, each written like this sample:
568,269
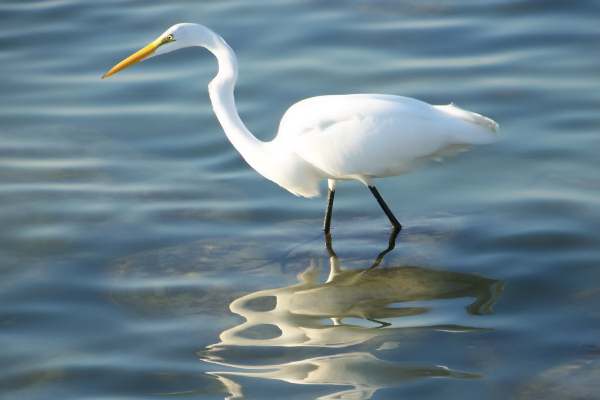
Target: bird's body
338,137
367,136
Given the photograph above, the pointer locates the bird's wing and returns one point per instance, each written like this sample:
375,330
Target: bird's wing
373,135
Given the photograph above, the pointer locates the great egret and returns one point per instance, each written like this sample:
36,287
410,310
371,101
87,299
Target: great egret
338,137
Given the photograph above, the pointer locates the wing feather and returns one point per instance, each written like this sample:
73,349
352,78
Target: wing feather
373,135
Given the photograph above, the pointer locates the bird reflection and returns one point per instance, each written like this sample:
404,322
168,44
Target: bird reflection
361,371
350,307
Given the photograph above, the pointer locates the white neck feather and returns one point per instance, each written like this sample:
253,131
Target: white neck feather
221,91
271,159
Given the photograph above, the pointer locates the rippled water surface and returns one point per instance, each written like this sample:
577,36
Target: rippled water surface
140,257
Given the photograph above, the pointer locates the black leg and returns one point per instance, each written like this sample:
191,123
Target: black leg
378,260
385,208
329,246
327,221
391,245
382,324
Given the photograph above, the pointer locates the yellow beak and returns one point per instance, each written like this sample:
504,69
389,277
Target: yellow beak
135,57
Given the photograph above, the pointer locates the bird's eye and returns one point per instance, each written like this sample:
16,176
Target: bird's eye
170,38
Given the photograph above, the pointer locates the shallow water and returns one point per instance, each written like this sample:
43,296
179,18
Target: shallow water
141,257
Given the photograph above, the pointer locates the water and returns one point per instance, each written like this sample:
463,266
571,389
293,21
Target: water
141,258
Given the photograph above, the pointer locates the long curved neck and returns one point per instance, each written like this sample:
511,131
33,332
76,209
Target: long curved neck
221,91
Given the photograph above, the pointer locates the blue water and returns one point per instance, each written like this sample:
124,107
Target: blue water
140,257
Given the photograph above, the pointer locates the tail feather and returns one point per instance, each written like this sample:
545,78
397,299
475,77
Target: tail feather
469,116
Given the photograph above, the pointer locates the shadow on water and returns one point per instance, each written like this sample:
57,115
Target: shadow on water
350,308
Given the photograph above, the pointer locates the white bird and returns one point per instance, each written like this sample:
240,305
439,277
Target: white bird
339,137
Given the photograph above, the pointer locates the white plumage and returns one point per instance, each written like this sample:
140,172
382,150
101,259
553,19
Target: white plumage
344,137
366,136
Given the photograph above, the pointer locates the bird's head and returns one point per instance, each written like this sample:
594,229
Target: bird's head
176,37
